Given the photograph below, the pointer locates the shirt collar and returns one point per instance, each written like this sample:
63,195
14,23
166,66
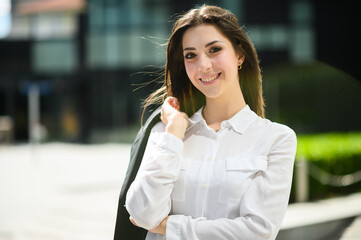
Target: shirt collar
196,118
239,122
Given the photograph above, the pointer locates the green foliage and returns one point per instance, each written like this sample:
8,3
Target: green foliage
335,153
329,146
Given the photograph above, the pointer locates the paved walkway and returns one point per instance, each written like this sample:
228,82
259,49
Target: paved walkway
325,219
308,213
70,192
60,191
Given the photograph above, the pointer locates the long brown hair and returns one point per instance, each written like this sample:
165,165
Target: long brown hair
176,82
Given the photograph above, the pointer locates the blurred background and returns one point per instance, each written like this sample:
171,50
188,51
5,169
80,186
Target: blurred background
86,58
73,74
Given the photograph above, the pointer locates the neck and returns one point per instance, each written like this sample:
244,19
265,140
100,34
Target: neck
217,110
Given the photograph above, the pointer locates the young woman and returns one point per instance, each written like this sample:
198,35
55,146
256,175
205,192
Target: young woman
214,167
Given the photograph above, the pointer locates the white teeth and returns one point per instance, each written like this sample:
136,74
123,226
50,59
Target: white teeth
209,79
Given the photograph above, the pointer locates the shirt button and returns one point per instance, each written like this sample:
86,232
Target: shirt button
203,186
209,159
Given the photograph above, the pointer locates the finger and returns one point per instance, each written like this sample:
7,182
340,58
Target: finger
185,115
162,111
173,102
164,120
167,107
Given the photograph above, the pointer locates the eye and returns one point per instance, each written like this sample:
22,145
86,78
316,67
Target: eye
215,49
189,55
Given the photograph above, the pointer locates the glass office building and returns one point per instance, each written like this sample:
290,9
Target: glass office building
88,57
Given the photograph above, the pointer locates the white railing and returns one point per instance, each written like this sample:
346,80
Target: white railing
304,168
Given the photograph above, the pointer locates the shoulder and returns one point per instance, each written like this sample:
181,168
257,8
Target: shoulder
279,129
270,126
275,133
157,131
283,137
159,127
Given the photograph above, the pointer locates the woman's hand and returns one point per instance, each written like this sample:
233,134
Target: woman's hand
161,228
176,122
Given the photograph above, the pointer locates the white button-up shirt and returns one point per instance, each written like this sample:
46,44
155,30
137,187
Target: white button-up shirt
230,184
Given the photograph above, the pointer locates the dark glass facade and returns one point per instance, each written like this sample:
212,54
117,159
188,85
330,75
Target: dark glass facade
92,60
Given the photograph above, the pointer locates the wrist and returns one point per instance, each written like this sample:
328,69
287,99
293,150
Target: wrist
164,226
177,127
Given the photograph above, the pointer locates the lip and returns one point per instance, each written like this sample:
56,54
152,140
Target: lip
210,82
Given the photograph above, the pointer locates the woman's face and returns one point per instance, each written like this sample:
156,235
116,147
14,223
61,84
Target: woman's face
210,61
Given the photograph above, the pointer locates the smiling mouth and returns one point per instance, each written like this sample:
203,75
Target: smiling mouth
211,78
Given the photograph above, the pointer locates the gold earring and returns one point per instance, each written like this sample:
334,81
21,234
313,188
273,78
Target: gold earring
239,66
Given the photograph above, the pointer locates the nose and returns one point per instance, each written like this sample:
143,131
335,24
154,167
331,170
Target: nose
204,63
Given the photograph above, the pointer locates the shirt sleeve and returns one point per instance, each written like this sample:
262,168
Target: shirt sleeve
262,207
148,198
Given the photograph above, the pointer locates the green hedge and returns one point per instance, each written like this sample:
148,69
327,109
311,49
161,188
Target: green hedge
334,153
329,146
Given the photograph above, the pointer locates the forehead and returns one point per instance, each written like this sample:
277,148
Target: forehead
201,35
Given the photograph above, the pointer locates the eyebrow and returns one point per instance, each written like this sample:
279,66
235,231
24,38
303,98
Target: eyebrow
207,45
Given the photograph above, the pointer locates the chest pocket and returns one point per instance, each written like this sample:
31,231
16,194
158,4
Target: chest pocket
239,173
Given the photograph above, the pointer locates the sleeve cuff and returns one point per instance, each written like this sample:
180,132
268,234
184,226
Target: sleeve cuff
173,229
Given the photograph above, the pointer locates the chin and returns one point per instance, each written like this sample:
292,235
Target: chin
212,95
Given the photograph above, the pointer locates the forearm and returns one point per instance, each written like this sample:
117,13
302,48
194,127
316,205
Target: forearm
148,208
242,228
148,198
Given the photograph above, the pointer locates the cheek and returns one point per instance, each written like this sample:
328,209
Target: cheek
190,69
192,76
225,60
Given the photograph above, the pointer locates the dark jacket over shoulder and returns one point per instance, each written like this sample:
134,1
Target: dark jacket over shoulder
124,229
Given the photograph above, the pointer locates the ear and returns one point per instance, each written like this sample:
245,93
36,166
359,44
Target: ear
241,59
240,55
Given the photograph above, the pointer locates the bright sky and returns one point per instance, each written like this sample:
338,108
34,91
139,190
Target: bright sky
5,18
